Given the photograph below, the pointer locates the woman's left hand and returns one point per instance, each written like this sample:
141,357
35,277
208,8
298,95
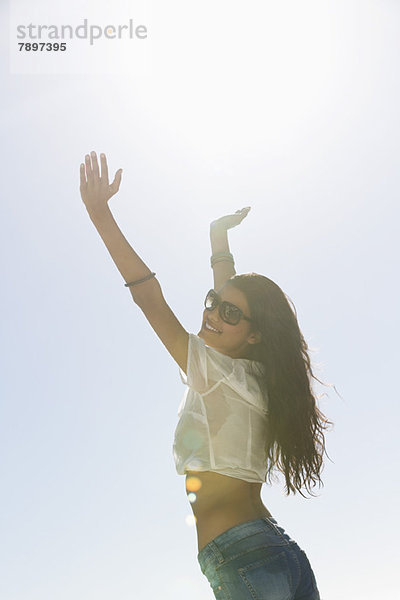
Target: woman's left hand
95,188
229,221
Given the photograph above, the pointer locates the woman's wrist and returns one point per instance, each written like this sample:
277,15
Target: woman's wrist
100,214
218,232
219,240
216,227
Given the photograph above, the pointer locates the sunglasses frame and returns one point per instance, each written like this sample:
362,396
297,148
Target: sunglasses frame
220,303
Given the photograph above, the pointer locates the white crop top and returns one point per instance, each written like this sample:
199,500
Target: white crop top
223,416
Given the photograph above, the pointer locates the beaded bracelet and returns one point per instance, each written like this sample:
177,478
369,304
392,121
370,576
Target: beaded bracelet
140,280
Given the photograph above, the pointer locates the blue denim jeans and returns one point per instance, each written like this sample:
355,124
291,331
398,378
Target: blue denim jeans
257,560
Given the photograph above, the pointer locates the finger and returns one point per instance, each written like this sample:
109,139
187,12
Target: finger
95,164
244,212
89,172
83,176
116,183
104,168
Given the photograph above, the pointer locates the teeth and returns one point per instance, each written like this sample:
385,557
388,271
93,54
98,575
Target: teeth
211,328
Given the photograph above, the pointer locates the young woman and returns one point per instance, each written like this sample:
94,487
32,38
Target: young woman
248,407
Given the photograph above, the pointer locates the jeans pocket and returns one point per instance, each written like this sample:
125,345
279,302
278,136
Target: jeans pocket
268,578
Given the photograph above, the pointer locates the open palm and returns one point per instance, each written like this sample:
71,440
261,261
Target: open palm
229,221
95,188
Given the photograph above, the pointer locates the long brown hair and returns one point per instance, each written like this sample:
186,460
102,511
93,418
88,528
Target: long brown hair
296,442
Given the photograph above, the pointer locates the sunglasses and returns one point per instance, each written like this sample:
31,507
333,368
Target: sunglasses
228,312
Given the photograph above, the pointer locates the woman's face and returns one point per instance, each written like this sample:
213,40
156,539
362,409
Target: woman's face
232,340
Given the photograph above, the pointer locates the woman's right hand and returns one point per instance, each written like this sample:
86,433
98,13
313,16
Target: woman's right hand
95,189
229,221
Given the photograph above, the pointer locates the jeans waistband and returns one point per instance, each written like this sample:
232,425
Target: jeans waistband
213,549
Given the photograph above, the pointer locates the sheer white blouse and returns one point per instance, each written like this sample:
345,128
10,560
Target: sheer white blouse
223,416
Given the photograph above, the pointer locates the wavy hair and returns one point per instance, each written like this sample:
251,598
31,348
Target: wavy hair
296,442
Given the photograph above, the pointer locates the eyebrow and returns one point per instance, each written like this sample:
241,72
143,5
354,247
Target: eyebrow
232,304
229,302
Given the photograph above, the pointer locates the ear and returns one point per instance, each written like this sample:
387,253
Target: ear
254,338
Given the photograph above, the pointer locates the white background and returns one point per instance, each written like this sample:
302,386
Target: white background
289,107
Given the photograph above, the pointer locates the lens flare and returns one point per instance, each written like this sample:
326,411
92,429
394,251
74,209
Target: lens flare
190,520
193,484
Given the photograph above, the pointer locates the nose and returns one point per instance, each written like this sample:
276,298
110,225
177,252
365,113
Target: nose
214,314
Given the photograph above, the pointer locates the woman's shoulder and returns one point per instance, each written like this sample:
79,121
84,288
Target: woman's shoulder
248,365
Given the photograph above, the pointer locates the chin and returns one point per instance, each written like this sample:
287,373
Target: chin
203,334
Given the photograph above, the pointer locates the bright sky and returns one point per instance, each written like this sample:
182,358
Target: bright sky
289,107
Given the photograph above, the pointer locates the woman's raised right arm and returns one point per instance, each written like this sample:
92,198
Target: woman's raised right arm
95,192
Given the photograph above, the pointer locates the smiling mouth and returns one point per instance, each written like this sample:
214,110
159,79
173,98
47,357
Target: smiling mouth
208,327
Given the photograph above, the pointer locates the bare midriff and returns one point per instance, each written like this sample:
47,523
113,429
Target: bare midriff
222,502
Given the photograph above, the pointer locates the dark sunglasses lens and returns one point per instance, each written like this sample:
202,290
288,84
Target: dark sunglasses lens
231,314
